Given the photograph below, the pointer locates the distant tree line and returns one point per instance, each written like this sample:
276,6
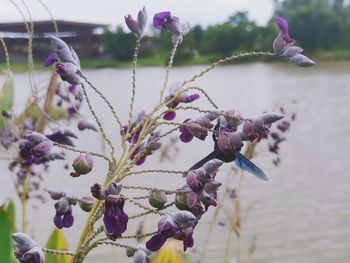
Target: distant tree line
315,24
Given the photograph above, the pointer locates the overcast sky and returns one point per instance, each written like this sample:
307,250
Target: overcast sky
204,12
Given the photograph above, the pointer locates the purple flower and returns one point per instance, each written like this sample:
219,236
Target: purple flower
34,147
283,46
173,100
101,193
115,219
197,128
63,217
51,59
69,63
135,128
62,136
141,254
202,187
7,138
164,20
258,128
138,26
178,225
26,250
146,148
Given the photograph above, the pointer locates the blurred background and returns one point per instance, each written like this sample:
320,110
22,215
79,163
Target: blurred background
302,214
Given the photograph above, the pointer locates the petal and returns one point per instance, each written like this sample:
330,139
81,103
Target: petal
58,221
51,59
160,18
169,116
68,220
140,256
188,242
282,23
192,97
301,61
62,50
156,242
186,137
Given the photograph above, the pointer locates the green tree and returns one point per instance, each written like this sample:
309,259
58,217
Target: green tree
119,44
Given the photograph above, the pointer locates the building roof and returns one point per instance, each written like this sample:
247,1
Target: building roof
46,26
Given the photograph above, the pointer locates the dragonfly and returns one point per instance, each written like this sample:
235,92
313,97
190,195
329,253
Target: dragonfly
240,160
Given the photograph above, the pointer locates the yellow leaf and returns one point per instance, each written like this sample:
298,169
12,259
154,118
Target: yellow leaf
171,252
57,242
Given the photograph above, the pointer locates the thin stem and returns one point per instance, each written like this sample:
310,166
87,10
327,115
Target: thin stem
104,99
24,202
151,211
144,207
197,109
134,63
57,252
98,243
225,60
158,171
205,94
51,16
138,236
72,149
30,54
104,136
6,53
170,64
169,192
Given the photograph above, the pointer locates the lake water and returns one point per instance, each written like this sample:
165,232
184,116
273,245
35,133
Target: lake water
301,215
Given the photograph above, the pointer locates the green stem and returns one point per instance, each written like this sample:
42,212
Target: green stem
24,202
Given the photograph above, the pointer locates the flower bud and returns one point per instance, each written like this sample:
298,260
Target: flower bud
34,137
113,189
23,242
132,24
98,191
86,203
212,166
157,199
271,117
181,217
181,201
83,164
42,148
86,124
56,195
130,252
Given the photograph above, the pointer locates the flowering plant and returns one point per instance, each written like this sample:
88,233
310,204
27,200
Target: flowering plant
141,136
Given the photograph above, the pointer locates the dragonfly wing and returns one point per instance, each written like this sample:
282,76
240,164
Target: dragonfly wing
206,159
248,166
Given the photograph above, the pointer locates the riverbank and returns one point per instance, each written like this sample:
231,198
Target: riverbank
161,60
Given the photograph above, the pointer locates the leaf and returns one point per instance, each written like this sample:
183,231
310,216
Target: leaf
58,242
11,211
6,98
5,237
171,252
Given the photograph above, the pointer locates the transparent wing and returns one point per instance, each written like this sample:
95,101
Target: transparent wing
249,167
